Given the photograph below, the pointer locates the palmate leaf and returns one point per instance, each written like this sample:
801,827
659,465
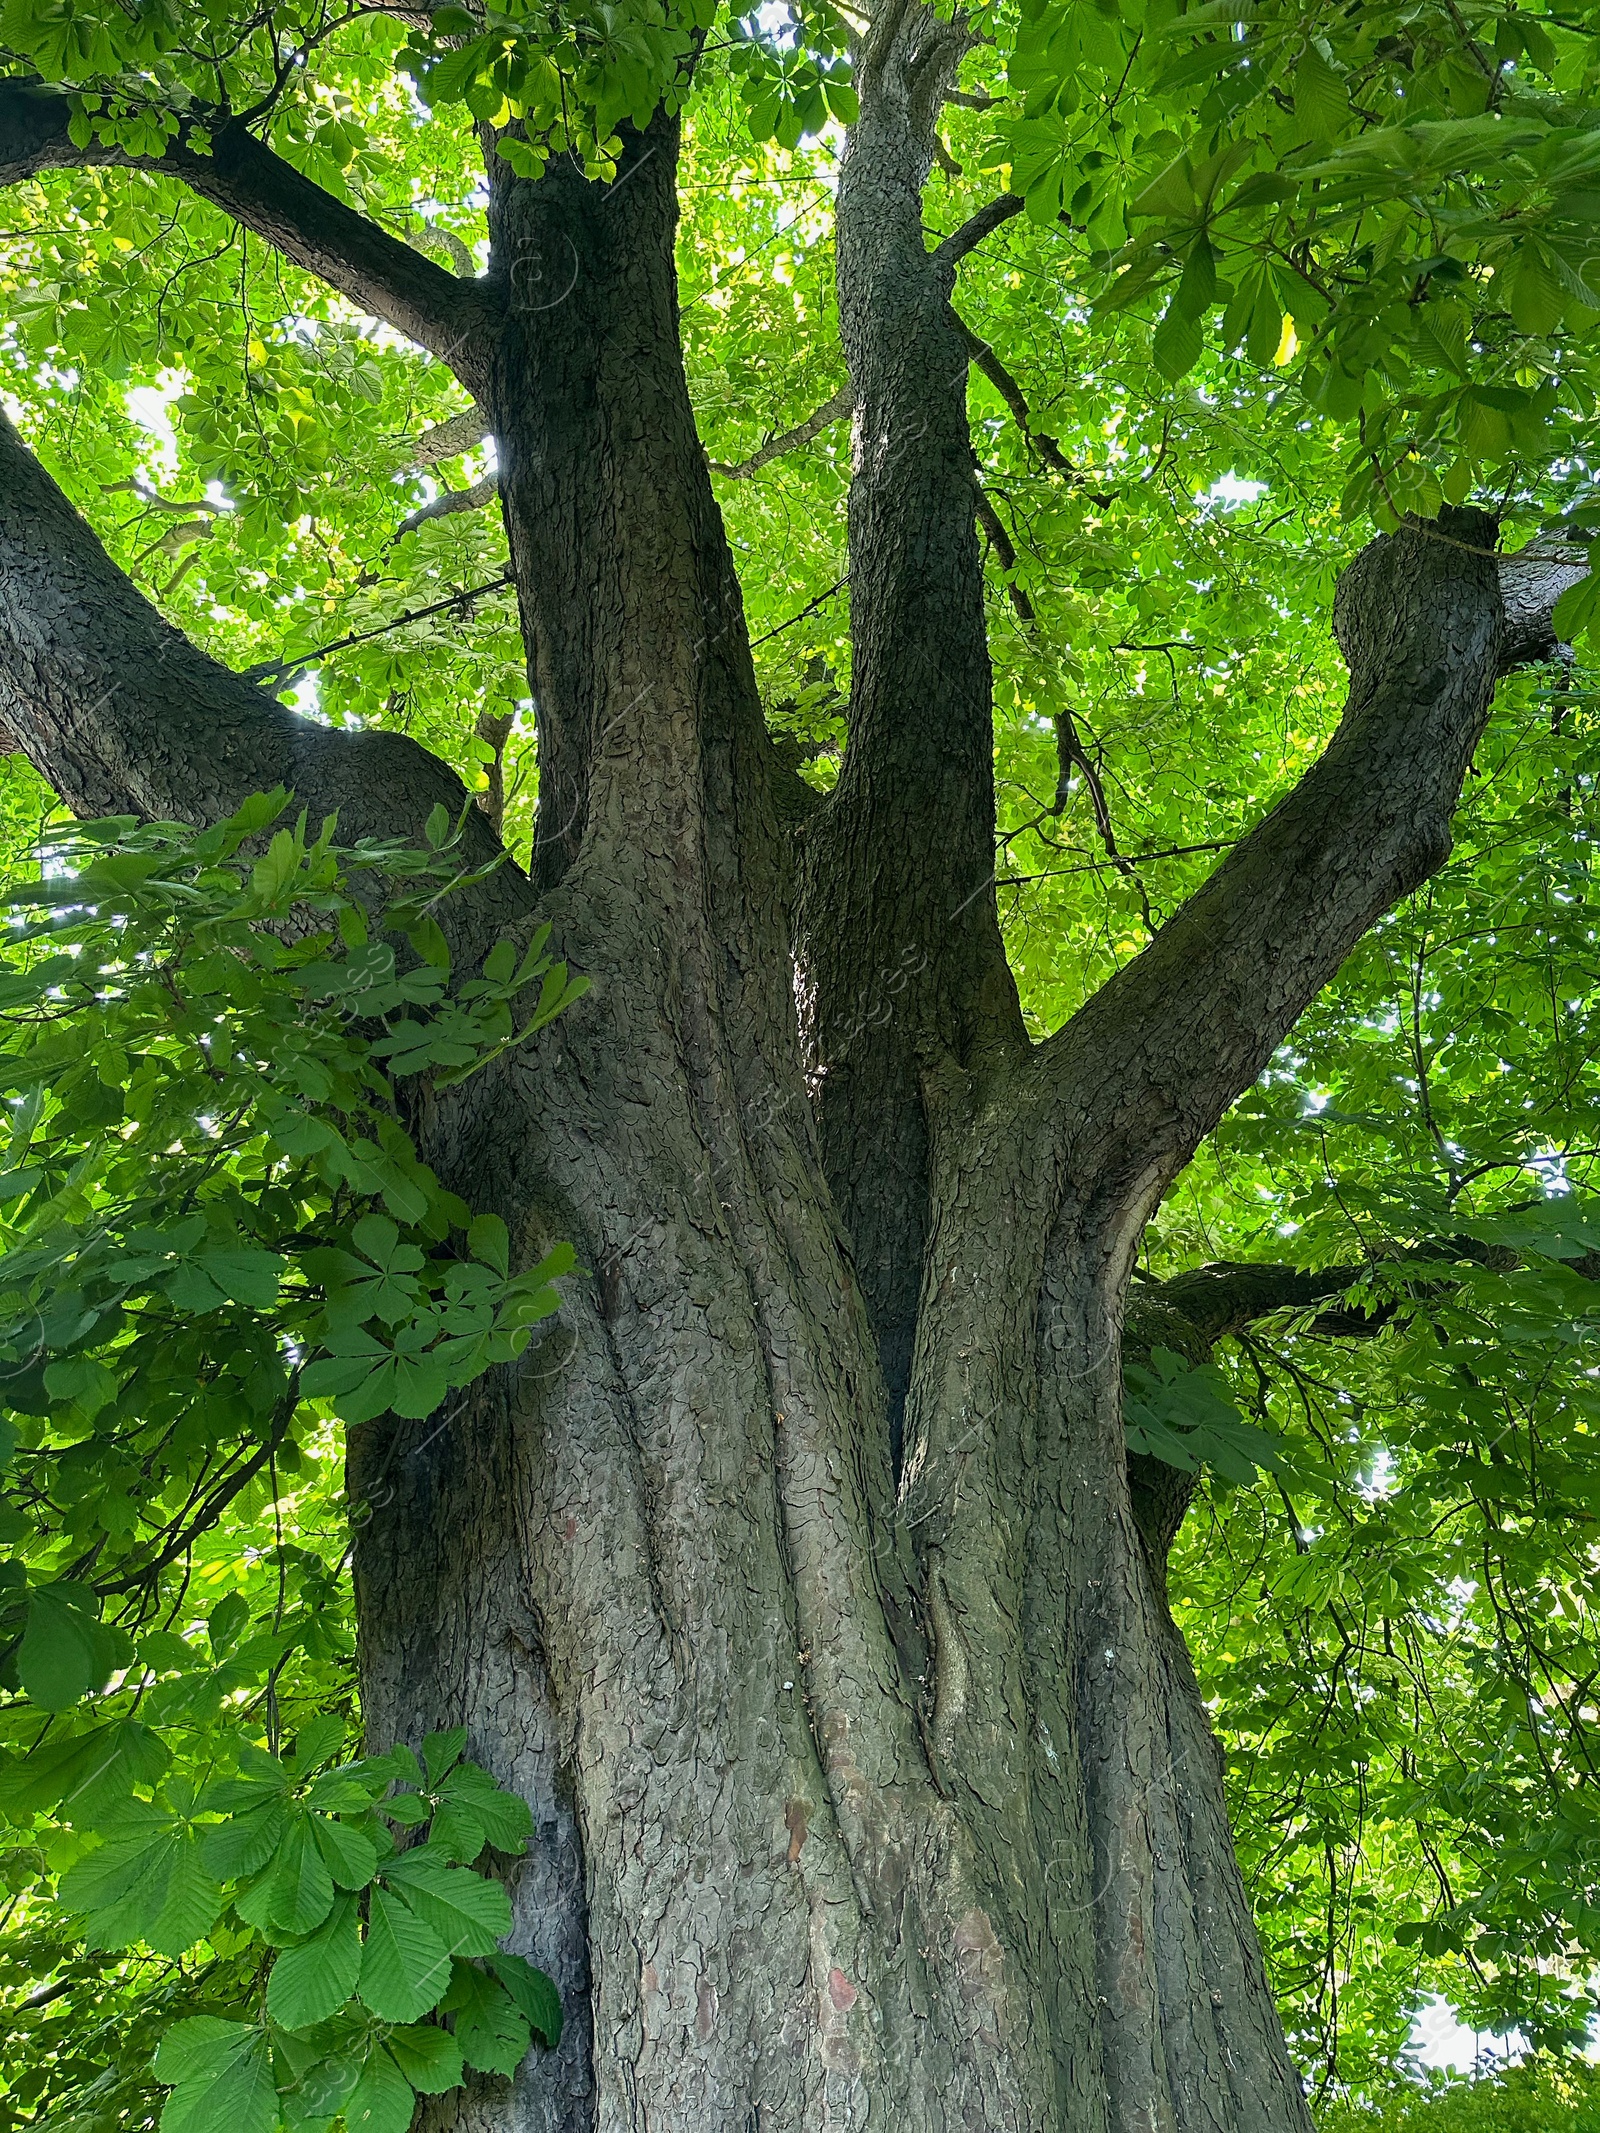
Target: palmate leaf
144,1883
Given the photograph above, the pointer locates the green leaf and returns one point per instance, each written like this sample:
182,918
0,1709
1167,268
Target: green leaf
79,1775
243,1844
295,1893
469,1797
430,2058
405,1969
1577,611
310,1981
227,1621
534,1993
489,1240
200,2047
317,1741
350,1853
441,1752
247,1276
491,2029
227,2082
469,1913
1178,340
145,1882
1321,101
382,2101
1537,296
64,1652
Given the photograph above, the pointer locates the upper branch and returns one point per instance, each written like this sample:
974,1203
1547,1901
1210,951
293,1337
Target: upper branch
1428,620
122,714
454,320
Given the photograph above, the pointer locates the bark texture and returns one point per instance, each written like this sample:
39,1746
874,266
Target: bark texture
798,1578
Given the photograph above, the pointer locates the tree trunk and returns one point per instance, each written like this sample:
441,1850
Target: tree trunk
795,1577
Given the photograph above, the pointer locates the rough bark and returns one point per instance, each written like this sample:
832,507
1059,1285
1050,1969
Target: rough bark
870,1779
903,973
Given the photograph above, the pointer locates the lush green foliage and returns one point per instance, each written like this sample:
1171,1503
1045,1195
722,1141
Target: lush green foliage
216,1234
1539,2098
1280,273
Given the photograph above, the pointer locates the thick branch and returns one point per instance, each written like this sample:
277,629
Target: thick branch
449,439
897,931
1229,1295
122,714
452,319
1149,1065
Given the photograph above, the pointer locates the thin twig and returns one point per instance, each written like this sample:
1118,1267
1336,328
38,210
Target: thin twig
270,667
810,608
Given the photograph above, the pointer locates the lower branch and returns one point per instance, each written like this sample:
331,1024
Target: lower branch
123,715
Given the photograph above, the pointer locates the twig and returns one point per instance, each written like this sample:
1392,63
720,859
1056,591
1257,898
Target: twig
269,667
811,607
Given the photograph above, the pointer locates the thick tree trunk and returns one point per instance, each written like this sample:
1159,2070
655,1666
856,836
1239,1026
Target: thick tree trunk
796,1578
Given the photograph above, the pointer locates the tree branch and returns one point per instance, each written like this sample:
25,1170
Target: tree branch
452,319
987,359
448,504
974,230
836,408
1147,1067
449,439
122,714
879,900
1227,1296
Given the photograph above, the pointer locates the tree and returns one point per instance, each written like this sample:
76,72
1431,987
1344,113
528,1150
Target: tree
804,1585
